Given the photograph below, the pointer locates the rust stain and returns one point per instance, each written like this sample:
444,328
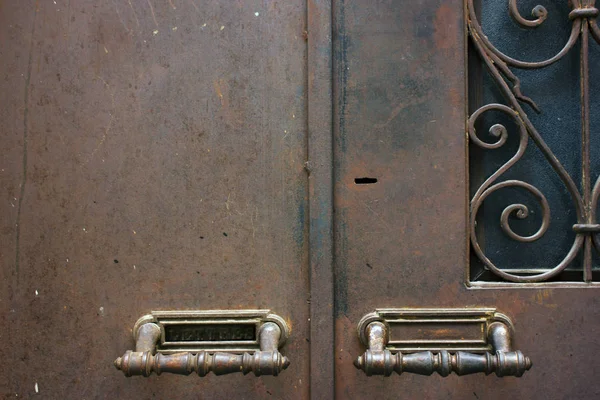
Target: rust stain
231,116
542,296
456,97
445,19
217,85
289,323
441,332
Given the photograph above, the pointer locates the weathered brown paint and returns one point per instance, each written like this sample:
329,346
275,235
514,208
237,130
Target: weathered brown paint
183,152
402,241
320,169
180,152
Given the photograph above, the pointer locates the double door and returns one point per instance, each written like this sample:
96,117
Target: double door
299,199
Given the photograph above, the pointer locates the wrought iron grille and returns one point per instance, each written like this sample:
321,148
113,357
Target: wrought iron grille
514,123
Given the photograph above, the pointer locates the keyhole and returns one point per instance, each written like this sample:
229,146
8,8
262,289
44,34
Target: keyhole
365,181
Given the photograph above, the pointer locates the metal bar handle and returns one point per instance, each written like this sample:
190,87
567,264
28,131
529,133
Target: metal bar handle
143,361
377,360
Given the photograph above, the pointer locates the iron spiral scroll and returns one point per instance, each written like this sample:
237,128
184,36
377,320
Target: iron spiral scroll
583,17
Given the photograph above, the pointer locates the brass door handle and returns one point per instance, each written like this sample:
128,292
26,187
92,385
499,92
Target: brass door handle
502,359
145,359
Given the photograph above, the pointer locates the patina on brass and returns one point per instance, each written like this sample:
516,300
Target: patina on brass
233,331
154,353
496,350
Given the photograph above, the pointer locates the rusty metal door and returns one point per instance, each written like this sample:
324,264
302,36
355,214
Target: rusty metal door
474,124
313,199
153,159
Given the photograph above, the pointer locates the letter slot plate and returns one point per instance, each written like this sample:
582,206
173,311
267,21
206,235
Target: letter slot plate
428,340
234,331
218,341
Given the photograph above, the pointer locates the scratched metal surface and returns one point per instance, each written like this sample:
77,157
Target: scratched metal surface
153,158
399,99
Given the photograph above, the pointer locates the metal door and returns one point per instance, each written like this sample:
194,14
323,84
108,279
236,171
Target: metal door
154,159
479,201
313,199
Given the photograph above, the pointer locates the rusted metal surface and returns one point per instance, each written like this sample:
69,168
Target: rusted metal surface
400,117
153,158
320,169
172,156
583,19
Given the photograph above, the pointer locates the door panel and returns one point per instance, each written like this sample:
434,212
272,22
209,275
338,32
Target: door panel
154,160
400,111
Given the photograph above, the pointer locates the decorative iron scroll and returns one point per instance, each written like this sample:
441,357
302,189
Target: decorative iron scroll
583,17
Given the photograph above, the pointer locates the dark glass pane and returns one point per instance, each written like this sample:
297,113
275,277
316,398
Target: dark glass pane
556,91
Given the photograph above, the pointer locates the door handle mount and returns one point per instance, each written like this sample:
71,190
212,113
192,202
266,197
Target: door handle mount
221,342
424,341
